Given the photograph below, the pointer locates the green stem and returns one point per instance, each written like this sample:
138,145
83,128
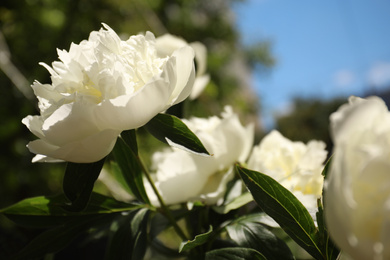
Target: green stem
163,206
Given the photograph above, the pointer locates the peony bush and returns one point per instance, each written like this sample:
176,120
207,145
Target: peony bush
205,194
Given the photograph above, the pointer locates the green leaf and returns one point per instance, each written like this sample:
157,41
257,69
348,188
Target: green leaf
128,161
285,209
234,204
170,129
248,231
78,183
159,222
47,211
161,249
234,253
56,239
130,139
139,233
116,172
331,250
128,239
197,241
120,240
326,168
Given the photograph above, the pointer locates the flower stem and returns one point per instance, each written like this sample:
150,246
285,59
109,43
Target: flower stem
165,209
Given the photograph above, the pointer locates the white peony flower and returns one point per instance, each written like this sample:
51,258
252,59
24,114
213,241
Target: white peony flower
181,176
294,165
357,197
101,87
167,44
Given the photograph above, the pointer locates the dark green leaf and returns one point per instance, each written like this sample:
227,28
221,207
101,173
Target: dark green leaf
248,231
128,238
159,222
161,249
234,253
130,139
139,233
55,239
326,168
285,209
49,211
197,241
331,250
170,129
78,183
129,164
120,240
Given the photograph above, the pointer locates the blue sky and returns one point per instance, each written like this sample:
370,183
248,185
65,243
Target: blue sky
324,49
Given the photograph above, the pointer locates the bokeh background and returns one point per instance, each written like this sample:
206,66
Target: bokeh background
266,58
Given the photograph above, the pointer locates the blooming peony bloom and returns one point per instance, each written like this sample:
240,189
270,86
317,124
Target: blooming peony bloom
294,165
101,87
168,43
181,176
357,197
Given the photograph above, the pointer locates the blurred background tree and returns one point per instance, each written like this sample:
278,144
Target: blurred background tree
30,32
308,120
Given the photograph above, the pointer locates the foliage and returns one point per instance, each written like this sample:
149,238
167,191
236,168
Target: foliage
81,215
126,224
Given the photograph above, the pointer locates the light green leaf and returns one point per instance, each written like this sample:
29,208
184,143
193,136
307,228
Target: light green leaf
170,129
78,183
234,204
118,176
285,209
197,241
234,253
249,232
125,154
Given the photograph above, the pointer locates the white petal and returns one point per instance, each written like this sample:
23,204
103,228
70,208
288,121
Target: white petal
185,73
133,111
91,149
216,185
70,123
199,85
167,44
34,124
44,158
350,116
200,57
